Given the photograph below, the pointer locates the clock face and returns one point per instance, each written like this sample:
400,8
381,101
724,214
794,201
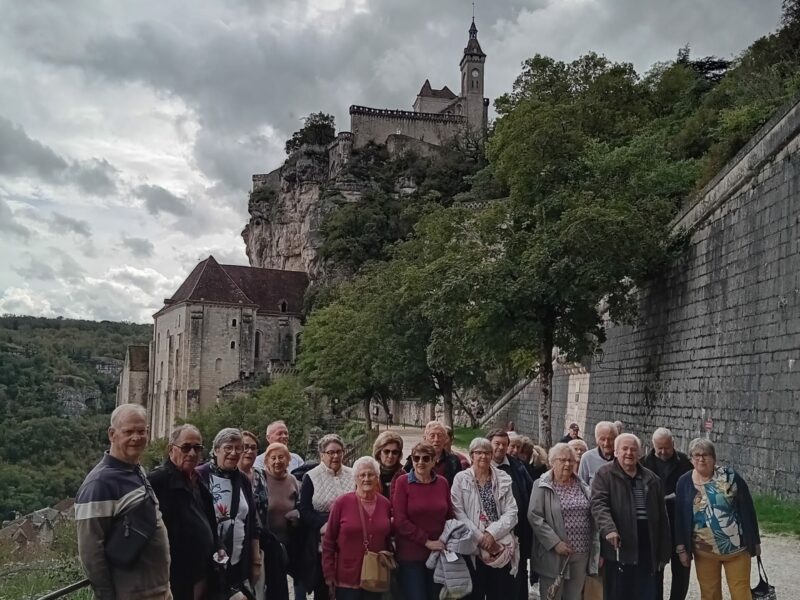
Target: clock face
475,73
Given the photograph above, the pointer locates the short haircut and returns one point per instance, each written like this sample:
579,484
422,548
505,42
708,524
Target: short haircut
527,445
620,426
124,410
328,439
480,443
175,434
277,447
605,425
662,433
272,425
576,442
493,433
626,436
423,448
384,439
227,436
559,449
704,446
431,425
366,461
249,434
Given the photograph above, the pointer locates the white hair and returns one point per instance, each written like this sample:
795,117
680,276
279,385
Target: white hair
662,433
123,411
605,425
176,433
559,449
228,435
366,461
626,436
274,424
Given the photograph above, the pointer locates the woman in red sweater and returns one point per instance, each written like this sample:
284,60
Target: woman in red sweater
343,544
421,503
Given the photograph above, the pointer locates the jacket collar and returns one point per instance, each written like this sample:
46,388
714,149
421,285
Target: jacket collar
412,477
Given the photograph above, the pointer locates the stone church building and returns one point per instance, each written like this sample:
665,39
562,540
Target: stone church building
225,325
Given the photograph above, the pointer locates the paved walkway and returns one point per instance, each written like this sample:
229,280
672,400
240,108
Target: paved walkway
781,554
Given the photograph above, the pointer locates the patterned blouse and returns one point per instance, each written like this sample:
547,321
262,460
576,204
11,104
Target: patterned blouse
576,514
486,494
716,521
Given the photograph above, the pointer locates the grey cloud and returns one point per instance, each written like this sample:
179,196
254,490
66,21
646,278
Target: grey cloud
70,270
22,155
59,223
94,177
138,247
160,200
9,225
36,269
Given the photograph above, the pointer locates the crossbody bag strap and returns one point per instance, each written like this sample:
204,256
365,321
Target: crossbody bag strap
236,493
363,524
762,573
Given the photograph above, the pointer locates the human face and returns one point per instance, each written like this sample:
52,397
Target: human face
277,462
437,437
499,448
563,466
390,455
279,433
627,454
703,462
664,448
482,459
366,480
185,452
605,440
573,433
228,455
128,439
579,450
423,464
514,446
332,456
249,453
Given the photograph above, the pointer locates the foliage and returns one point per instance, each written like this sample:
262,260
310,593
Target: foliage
318,129
776,515
462,436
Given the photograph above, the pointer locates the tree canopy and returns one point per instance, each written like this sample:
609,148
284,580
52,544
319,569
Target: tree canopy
318,129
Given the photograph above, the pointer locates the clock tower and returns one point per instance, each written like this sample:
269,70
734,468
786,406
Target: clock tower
472,66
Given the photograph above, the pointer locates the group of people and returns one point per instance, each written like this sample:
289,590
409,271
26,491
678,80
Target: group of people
599,523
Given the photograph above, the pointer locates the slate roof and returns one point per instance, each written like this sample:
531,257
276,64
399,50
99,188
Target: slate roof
428,92
210,281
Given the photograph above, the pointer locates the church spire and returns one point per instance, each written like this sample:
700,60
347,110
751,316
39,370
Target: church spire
473,31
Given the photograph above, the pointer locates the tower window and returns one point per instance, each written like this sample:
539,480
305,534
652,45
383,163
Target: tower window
233,323
258,344
233,345
284,306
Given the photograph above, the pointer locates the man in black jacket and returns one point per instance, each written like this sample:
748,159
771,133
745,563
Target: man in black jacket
669,464
522,486
188,513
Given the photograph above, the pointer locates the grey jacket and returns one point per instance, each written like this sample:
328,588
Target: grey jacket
454,576
547,522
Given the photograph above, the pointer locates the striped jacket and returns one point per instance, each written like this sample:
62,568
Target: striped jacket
110,488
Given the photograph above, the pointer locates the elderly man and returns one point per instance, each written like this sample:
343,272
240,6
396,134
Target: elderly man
445,463
188,512
277,432
628,508
114,498
669,465
605,432
573,433
521,485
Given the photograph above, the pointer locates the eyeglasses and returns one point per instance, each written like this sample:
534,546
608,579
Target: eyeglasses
387,452
249,447
700,456
333,453
564,460
481,452
228,449
424,458
186,448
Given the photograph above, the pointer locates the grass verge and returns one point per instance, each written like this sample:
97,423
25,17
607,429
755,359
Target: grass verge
464,435
778,516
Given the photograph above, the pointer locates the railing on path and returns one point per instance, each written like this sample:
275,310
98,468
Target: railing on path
73,587
360,446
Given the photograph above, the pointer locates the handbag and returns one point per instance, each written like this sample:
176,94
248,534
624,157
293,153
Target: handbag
131,530
554,591
376,567
763,589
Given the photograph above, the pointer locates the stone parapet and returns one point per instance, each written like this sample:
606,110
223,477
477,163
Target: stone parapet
390,113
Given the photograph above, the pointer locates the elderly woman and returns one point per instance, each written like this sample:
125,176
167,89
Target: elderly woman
421,503
358,520
537,466
388,450
484,501
322,486
235,508
283,492
579,447
563,529
716,523
258,481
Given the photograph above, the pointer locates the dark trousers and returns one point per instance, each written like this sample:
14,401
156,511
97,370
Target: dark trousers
680,581
275,579
351,594
489,583
521,580
416,581
624,582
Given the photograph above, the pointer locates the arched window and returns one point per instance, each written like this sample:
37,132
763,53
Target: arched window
284,306
258,344
233,323
233,345
218,365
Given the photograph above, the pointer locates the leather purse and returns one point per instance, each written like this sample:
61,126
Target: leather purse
376,567
763,589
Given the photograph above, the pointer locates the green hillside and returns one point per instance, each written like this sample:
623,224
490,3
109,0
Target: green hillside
58,380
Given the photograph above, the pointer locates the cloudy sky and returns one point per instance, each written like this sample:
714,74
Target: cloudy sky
129,130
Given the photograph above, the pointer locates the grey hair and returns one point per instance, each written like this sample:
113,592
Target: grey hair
605,425
366,461
576,442
662,433
626,436
559,449
176,433
272,425
123,410
226,436
704,445
480,443
328,439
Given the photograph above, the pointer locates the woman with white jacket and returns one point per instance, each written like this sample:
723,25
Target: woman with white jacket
483,500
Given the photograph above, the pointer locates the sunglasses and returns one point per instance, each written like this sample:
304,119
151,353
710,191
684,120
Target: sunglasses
424,458
387,452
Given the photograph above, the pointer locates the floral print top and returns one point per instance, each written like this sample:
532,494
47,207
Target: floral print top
486,494
717,529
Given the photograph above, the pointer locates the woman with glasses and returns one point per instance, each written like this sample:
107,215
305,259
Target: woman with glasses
388,450
484,501
421,504
716,524
564,535
188,512
258,481
322,486
235,508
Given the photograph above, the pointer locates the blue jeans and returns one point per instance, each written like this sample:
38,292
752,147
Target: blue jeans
416,580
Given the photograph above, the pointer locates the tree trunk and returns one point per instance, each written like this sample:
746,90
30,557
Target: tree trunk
545,376
446,389
367,413
473,420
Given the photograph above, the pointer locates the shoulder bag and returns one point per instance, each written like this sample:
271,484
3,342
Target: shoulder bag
763,590
131,529
376,567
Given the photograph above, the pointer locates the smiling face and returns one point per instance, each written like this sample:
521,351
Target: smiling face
482,459
332,456
499,448
627,453
390,455
128,438
366,480
704,462
276,463
278,433
185,452
423,464
228,454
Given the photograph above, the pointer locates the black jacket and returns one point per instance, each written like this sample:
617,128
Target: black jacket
191,541
521,485
677,466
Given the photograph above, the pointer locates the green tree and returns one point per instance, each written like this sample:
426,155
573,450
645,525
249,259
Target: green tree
318,129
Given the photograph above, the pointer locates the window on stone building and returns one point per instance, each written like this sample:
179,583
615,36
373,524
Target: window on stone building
258,344
284,306
233,345
233,323
218,365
